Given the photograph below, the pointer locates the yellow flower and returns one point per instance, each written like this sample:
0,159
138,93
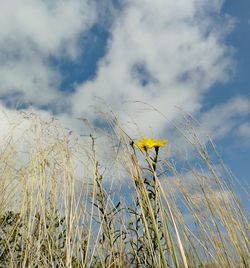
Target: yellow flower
160,143
147,144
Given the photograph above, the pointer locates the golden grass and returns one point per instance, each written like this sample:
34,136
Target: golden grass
60,207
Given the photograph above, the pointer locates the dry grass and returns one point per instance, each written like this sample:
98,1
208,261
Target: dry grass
60,207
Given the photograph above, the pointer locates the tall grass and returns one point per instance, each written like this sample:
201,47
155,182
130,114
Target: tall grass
61,207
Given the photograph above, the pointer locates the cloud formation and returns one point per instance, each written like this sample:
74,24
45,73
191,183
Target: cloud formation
30,33
244,133
223,118
163,53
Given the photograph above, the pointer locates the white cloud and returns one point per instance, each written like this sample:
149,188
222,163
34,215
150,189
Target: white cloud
161,52
34,80
224,118
221,121
30,33
244,133
48,27
244,130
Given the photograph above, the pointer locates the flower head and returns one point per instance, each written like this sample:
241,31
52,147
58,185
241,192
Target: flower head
149,143
146,144
160,143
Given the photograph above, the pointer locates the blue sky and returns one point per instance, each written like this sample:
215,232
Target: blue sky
236,156
57,57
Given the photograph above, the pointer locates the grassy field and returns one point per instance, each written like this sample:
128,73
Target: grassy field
63,205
